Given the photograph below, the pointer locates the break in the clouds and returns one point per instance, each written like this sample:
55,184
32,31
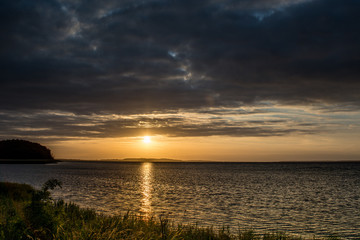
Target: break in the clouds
125,58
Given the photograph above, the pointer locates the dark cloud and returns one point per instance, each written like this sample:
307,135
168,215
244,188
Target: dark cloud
126,57
57,125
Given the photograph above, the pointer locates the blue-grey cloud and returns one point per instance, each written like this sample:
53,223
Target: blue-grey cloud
126,57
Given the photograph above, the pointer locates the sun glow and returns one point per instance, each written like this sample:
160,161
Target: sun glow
147,139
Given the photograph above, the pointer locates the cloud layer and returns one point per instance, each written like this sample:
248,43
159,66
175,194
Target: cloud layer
92,58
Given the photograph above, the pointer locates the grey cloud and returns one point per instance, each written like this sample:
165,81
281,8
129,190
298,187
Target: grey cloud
306,53
50,126
107,57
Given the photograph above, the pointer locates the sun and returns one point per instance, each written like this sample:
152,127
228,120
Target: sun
147,139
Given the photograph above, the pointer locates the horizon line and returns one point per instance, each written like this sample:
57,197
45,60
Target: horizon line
170,160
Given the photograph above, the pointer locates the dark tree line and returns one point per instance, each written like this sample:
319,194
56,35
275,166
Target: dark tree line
21,149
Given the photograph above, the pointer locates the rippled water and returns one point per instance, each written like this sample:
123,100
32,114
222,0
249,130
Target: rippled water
299,198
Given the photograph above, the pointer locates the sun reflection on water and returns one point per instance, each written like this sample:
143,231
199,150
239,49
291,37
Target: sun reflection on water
146,172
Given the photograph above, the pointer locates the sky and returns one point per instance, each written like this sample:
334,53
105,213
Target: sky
229,80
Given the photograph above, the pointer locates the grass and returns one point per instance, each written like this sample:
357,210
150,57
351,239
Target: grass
27,213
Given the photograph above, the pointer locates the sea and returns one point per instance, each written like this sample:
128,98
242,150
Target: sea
305,199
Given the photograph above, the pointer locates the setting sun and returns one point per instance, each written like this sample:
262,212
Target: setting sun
147,139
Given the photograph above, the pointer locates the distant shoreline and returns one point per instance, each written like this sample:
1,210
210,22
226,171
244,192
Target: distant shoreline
161,160
167,160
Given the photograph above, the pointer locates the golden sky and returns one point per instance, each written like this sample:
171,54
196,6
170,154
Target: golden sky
322,147
305,135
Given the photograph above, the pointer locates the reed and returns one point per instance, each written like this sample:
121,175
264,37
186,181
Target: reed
27,213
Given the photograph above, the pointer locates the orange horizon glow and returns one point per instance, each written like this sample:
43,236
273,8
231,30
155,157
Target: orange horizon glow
215,148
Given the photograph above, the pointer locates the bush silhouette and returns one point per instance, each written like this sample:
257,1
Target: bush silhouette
21,149
39,214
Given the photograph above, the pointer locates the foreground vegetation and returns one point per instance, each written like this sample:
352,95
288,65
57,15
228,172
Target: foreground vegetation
26,213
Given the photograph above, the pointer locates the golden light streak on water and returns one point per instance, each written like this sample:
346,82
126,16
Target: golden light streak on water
146,172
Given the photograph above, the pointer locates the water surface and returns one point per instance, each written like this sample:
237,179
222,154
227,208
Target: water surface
299,198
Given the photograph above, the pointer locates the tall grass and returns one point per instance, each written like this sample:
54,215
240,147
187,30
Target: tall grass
26,213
